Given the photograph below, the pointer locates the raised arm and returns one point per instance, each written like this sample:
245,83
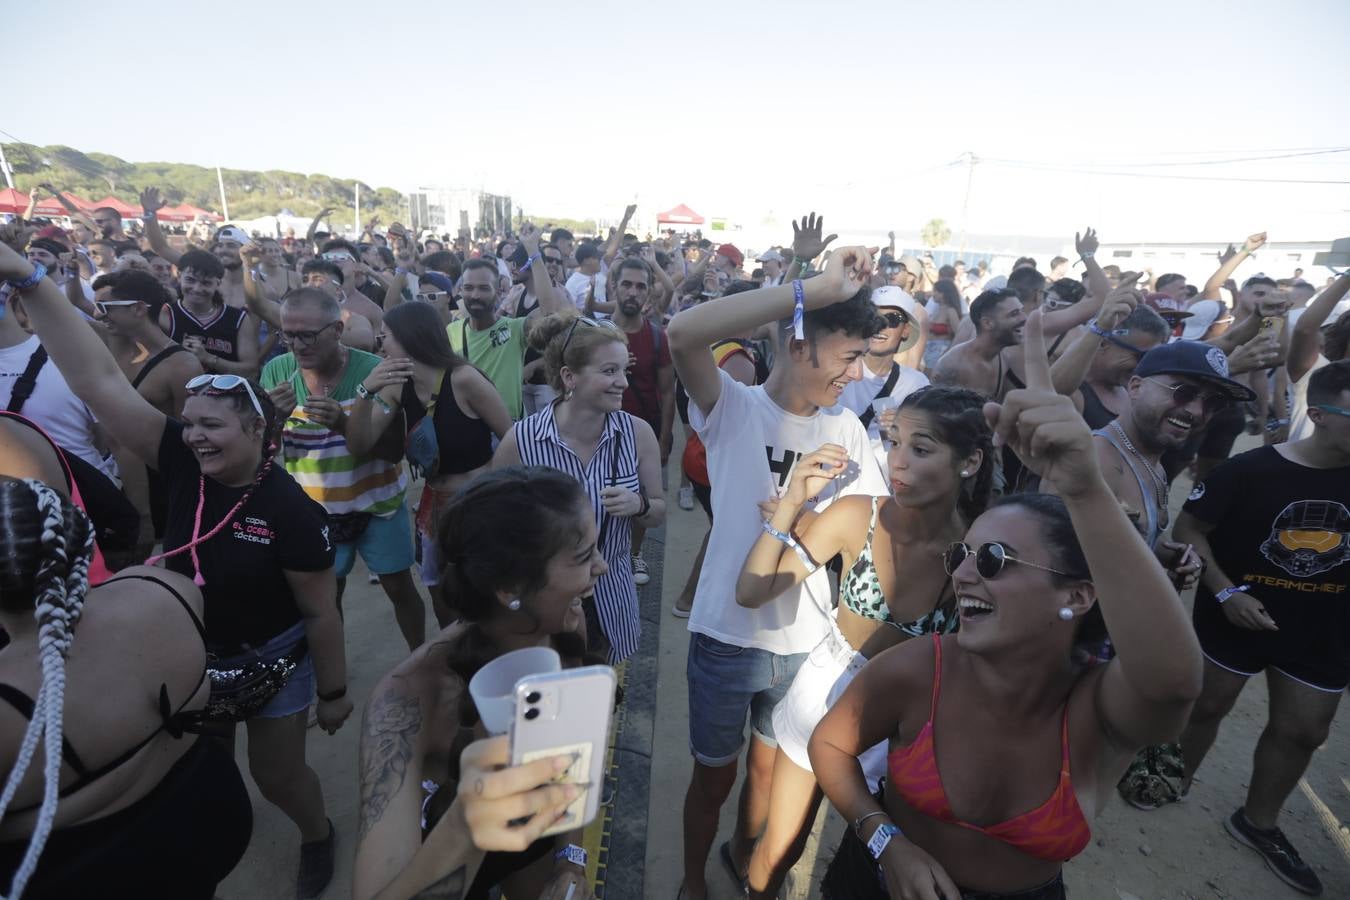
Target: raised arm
85,362
549,299
314,226
616,238
32,204
1228,263
693,331
151,204
1305,342
807,244
1070,370
258,306
1086,244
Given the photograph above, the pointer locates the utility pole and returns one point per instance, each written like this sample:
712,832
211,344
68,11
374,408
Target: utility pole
224,205
971,159
4,167
358,209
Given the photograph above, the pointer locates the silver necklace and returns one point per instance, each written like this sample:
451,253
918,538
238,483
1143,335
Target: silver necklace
1159,482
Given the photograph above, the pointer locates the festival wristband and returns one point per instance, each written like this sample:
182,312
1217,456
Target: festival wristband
646,505
333,695
798,310
1223,595
39,273
529,262
786,538
573,854
881,839
375,398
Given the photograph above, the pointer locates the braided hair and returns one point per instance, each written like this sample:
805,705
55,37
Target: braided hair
46,546
957,415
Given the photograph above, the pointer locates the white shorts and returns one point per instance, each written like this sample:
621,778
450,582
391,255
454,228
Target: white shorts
820,681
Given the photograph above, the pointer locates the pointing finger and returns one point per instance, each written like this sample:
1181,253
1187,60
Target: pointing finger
1037,364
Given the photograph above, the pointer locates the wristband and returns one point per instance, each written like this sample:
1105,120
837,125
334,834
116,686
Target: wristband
1223,595
333,695
573,854
1275,425
1086,256
148,216
881,838
646,505
798,310
1096,329
529,262
786,538
39,273
379,401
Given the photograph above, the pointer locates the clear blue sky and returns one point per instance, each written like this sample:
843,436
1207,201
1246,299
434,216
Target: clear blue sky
752,111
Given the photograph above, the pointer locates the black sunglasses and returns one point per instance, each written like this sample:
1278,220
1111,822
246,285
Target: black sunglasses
894,319
990,558
1184,394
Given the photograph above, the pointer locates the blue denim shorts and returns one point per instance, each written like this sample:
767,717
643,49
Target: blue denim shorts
386,545
298,692
726,683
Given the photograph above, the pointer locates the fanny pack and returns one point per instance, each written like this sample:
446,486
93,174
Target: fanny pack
423,449
347,527
239,692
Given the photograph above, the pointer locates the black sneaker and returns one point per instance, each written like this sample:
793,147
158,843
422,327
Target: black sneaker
1280,855
316,866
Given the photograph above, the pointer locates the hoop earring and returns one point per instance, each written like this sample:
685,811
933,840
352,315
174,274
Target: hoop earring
1065,613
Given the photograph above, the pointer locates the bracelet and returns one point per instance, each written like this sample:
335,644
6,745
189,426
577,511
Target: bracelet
1223,595
646,506
39,273
858,822
786,538
573,854
798,310
1086,256
881,838
1276,424
332,695
365,394
149,216
529,262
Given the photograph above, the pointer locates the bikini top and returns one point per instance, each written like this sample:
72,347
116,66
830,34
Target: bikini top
1055,831
175,723
861,592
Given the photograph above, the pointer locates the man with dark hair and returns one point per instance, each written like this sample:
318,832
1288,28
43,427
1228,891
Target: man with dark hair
587,279
742,660
1101,365
1174,286
358,277
445,262
564,241
1059,268
1024,262
320,274
224,339
163,271
1273,525
109,224
978,364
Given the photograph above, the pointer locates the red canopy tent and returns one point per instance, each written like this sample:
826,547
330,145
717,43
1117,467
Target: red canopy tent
680,215
124,209
52,207
13,201
185,212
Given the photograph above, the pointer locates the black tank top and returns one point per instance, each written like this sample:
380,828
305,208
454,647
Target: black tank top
220,335
465,443
154,361
1095,412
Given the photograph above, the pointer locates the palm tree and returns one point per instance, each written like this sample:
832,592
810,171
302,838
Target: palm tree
936,233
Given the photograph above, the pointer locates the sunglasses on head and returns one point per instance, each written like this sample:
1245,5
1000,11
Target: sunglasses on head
1184,394
1124,345
584,320
990,558
225,384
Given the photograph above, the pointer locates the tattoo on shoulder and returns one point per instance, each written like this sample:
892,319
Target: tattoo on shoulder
387,739
451,887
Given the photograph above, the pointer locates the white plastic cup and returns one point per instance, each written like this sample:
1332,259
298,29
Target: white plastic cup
493,687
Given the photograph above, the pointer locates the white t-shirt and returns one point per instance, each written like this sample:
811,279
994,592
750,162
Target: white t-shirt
744,420
858,396
53,405
579,285
1300,426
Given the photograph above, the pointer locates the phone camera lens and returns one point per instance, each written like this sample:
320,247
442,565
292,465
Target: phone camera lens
532,697
532,713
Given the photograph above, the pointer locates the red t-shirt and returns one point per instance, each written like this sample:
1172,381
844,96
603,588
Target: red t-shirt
643,396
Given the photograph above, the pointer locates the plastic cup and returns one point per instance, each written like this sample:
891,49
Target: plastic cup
493,687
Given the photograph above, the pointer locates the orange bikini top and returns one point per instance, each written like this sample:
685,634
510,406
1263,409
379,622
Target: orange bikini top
1056,830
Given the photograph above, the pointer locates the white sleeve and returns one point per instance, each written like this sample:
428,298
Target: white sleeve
870,481
732,406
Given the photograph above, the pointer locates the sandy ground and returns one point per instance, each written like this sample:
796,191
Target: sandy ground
1175,853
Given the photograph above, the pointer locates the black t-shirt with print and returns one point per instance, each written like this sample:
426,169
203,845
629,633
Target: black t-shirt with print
1283,529
248,599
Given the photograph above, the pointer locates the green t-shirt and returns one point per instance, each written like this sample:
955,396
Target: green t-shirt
318,458
500,352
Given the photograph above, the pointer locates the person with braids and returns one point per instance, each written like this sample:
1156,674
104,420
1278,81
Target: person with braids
613,454
124,799
940,468
247,534
519,550
1000,750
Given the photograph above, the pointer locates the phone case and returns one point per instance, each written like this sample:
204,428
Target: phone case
567,712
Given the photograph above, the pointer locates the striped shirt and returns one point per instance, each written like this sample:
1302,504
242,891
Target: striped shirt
614,463
317,457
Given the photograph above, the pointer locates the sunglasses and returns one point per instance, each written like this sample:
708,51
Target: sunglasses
584,320
1332,410
101,306
1184,394
304,338
894,319
430,296
225,384
990,558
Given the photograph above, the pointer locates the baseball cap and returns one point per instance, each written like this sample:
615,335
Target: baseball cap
911,264
891,297
232,233
769,255
731,253
1195,360
442,282
1203,313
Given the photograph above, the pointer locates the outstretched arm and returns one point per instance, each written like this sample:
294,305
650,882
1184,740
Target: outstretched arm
616,239
1228,263
1070,370
1305,342
152,203
549,298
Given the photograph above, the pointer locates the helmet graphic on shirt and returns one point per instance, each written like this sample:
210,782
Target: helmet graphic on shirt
1309,537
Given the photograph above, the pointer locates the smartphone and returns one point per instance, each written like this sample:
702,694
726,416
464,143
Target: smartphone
567,712
1273,324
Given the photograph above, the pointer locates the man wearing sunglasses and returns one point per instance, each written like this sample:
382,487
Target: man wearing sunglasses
1274,526
1103,359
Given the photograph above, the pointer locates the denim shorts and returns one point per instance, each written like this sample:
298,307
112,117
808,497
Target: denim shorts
386,545
298,692
726,683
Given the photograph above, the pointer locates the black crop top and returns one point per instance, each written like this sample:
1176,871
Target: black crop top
465,443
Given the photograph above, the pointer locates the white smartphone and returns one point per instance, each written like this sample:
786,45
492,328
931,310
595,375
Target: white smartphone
567,712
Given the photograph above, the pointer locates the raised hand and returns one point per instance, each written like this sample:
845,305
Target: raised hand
847,271
1261,352
1122,300
1254,242
151,201
628,211
814,472
13,238
394,370
807,243
1086,242
529,237
1042,427
1226,255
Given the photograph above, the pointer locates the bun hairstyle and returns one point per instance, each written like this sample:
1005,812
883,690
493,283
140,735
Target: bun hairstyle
549,334
957,415
498,534
46,546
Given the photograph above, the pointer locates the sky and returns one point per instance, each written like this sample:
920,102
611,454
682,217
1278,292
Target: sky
755,112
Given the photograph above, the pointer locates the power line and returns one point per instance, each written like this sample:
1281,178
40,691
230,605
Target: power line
1051,167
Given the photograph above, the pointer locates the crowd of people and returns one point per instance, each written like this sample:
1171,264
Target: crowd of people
959,521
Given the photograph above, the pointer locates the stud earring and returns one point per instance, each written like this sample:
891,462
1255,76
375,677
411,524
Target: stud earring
1065,613
965,474
514,604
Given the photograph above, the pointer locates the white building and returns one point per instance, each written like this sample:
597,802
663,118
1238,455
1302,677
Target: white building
1197,261
456,211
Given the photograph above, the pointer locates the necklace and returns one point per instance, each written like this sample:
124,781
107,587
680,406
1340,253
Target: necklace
1159,482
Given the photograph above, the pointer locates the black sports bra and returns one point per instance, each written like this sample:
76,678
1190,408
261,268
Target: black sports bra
175,723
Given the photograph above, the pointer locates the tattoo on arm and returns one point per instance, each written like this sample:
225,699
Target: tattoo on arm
391,726
451,887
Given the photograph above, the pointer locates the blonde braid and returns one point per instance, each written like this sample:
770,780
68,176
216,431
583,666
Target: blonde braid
61,585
